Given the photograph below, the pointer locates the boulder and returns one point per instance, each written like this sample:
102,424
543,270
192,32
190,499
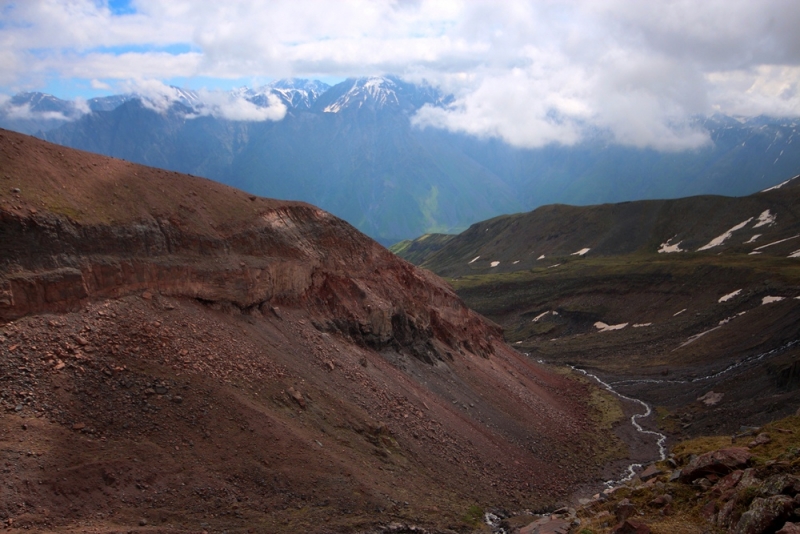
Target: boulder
709,511
765,514
631,526
761,439
748,479
783,483
790,528
624,510
726,516
650,472
727,483
547,525
720,462
661,500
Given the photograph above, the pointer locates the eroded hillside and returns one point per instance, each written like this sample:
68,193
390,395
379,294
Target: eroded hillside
178,355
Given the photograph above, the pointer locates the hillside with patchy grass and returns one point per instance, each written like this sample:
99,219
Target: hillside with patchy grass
765,223
668,300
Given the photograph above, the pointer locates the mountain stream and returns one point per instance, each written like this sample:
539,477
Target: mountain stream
659,437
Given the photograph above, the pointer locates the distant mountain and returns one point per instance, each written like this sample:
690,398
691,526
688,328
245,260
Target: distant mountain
361,159
295,93
352,150
31,113
765,223
375,94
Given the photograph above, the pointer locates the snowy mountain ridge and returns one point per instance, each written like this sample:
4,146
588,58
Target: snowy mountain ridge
377,90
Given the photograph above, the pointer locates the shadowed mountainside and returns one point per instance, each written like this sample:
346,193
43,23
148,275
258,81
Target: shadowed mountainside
542,237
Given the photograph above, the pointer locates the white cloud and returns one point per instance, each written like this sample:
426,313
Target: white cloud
24,112
160,97
528,71
98,84
236,108
155,94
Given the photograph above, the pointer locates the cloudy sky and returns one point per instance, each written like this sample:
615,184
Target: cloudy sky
530,72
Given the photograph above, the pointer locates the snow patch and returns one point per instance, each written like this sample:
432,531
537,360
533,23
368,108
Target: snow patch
667,247
515,262
473,260
729,319
729,296
556,265
494,264
540,257
581,252
603,327
766,218
771,299
697,336
642,325
752,239
717,241
536,319
777,242
711,398
795,254
680,312
779,185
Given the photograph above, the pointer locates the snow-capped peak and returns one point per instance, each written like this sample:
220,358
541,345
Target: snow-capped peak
295,93
376,91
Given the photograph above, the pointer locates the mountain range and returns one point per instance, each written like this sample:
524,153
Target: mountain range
353,149
184,356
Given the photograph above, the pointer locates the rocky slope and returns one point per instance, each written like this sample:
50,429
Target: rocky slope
742,484
177,355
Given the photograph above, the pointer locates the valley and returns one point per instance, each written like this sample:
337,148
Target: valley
593,287
184,356
399,267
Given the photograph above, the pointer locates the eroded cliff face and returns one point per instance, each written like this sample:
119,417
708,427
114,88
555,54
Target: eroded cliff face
291,255
151,311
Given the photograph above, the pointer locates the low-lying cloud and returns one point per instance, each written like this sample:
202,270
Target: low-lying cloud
160,97
237,108
26,111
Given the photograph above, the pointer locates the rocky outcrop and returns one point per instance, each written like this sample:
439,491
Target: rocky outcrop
733,489
718,463
254,255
